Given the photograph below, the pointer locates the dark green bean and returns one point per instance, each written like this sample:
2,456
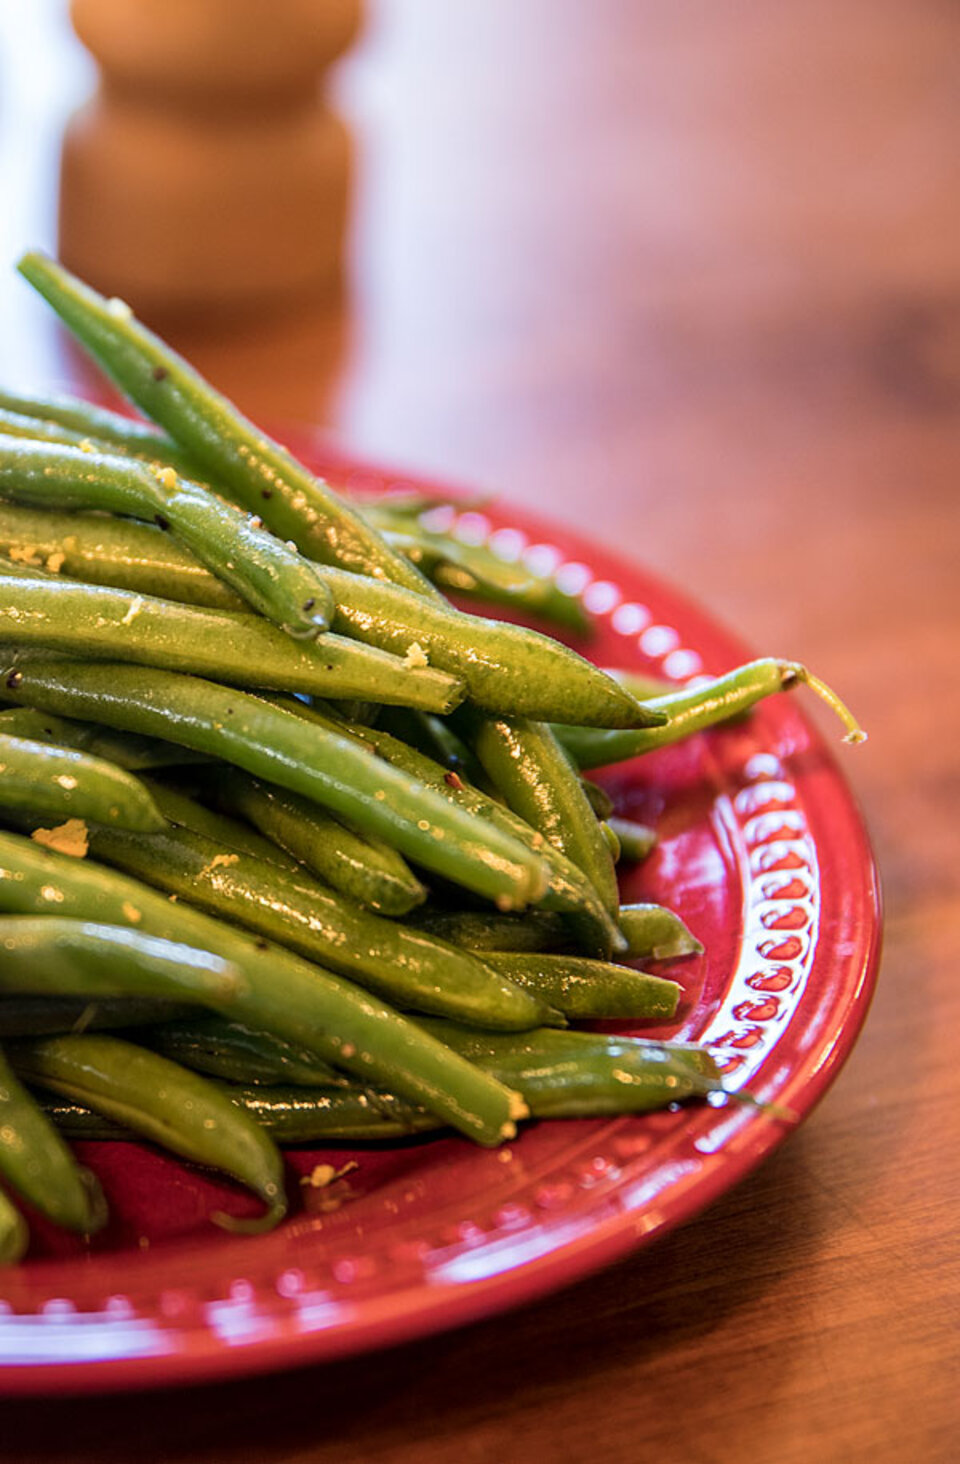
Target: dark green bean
45,1016
488,930
41,778
165,1103
270,576
125,749
587,990
636,840
14,1236
186,813
237,1054
279,992
527,765
362,868
408,968
271,743
38,1166
99,425
598,798
85,620
101,550
692,709
653,931
256,470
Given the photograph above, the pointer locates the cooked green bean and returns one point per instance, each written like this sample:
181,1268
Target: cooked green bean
125,749
568,889
165,1103
229,1050
586,990
255,469
636,840
186,813
526,764
654,931
691,709
45,1016
38,1166
279,992
598,798
242,649
101,550
45,779
488,930
99,425
271,743
273,578
364,869
14,1236
407,967
506,668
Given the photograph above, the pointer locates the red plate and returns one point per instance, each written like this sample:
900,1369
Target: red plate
764,855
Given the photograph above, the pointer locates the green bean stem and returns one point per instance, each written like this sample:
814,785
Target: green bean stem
63,783
269,575
272,743
695,708
243,649
636,840
165,1103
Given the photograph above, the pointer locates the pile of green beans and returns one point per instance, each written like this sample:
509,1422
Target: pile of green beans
291,849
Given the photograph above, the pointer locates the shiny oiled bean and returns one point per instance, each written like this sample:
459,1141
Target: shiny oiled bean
256,470
102,550
36,777
409,968
488,930
38,1166
229,1050
273,743
124,749
654,931
270,576
279,992
364,869
98,425
165,1103
111,624
586,990
44,1016
230,833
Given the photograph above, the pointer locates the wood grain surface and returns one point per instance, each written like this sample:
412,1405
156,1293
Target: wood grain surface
685,276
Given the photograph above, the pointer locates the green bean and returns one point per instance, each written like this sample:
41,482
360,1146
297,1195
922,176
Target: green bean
38,1166
653,931
568,889
694,708
125,749
256,470
231,1051
598,798
279,992
108,551
435,737
271,743
14,1236
363,868
166,1104
98,425
586,990
45,779
636,840
83,620
488,930
506,668
44,1016
406,967
186,813
273,578
527,765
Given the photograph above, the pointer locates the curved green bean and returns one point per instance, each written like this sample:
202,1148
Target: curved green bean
41,778
229,646
125,749
237,1054
38,1166
186,813
692,709
586,990
362,868
488,930
165,1103
99,425
269,575
408,968
271,743
255,469
278,992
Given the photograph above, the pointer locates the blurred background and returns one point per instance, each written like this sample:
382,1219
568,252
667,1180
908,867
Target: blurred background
685,276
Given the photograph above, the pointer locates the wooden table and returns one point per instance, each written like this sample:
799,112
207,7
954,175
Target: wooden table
684,276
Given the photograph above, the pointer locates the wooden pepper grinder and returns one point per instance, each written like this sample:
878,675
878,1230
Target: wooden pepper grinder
207,171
